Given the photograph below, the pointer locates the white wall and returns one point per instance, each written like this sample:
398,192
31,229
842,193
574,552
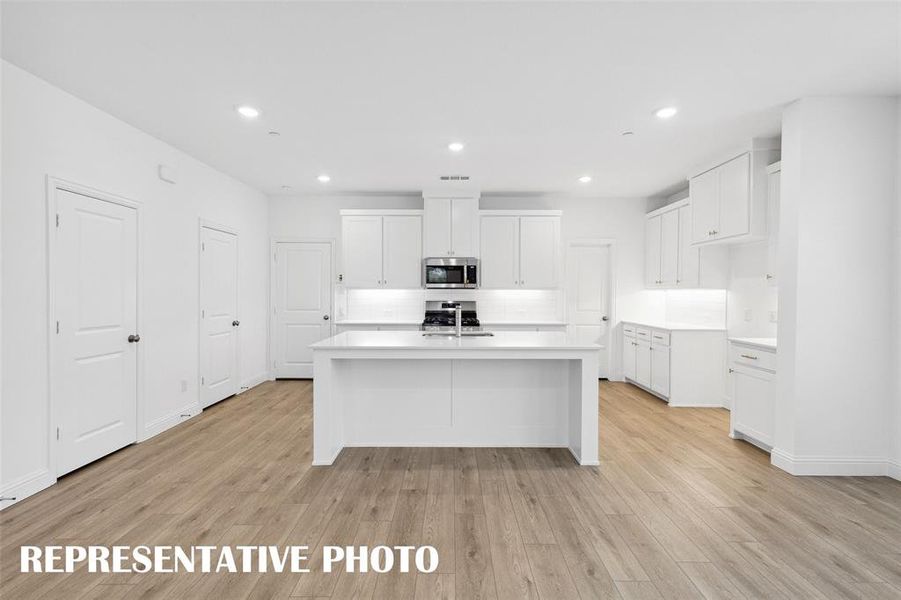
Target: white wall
751,297
895,469
48,132
836,360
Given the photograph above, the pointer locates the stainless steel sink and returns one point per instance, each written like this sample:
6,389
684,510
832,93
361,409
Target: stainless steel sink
464,334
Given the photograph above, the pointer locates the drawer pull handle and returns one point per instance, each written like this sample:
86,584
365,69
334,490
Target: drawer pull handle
749,357
658,337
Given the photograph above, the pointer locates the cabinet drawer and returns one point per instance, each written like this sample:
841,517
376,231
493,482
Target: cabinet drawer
753,357
643,333
629,330
660,337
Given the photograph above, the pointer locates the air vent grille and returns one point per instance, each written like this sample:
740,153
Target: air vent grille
454,178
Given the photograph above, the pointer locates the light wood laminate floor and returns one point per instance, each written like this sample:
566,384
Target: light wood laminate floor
675,510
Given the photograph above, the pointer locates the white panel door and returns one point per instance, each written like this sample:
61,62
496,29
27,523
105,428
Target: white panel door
630,349
361,238
95,364
539,251
643,363
735,197
302,305
464,227
669,248
704,192
689,269
652,250
499,265
587,297
219,323
660,370
402,252
437,227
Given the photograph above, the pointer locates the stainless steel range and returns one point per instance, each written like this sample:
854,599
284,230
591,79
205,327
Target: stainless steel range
452,317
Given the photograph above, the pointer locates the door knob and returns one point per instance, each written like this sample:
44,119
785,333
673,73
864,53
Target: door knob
235,323
605,318
134,338
325,317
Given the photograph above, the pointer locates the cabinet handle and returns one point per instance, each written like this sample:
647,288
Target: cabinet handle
732,370
715,232
658,337
768,276
749,357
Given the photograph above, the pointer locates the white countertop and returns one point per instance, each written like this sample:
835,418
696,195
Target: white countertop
768,343
675,326
376,322
414,340
483,322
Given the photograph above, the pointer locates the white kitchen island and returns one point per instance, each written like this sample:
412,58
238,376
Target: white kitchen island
400,388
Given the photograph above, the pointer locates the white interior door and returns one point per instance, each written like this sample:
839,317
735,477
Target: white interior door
588,297
302,305
219,322
95,364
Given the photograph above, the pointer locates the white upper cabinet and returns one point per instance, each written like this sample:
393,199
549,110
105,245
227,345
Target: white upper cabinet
451,226
653,251
499,266
671,261
729,200
402,251
520,250
361,245
381,250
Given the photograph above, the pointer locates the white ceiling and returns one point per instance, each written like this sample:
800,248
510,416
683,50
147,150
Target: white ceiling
371,93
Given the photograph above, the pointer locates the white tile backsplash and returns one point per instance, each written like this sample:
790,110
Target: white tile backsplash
696,307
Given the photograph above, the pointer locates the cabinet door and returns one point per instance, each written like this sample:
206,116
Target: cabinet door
669,248
539,251
464,227
704,191
774,187
361,243
660,370
499,265
753,392
629,358
735,197
402,251
643,363
689,256
437,227
652,249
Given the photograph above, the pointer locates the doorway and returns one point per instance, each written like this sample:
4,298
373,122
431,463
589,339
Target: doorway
94,274
301,304
219,323
589,297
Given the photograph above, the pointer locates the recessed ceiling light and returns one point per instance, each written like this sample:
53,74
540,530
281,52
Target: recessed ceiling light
585,179
666,112
455,146
248,112
324,178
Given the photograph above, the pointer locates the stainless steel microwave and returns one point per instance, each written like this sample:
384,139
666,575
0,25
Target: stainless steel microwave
450,273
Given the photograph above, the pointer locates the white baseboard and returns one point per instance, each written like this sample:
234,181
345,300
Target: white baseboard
829,465
252,382
158,426
893,470
26,486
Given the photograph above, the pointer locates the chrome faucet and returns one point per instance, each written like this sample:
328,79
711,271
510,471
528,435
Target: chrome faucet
458,321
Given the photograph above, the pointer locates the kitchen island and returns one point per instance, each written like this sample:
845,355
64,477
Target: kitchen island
403,388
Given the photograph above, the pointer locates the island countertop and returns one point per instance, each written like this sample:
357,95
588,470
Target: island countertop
415,340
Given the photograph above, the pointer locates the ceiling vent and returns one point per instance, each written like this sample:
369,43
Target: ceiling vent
454,178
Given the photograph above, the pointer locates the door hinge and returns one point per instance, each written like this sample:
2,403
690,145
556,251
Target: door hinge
57,433
203,246
202,314
201,380
275,257
57,327
57,220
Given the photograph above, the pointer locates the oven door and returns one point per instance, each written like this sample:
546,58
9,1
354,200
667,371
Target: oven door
444,276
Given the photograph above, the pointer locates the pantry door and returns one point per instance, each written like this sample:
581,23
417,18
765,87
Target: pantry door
588,296
219,322
301,305
94,327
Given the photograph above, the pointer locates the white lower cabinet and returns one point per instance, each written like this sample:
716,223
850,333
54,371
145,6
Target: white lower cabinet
685,367
342,327
753,373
